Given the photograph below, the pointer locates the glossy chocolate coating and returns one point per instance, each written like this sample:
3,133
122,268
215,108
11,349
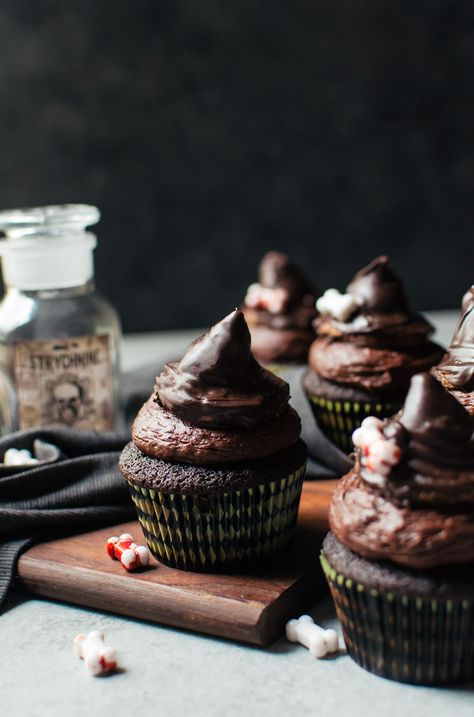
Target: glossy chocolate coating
217,405
378,288
276,271
456,369
421,514
286,335
218,383
382,345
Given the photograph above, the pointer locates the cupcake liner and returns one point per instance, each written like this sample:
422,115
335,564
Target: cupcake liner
279,368
339,419
407,638
207,532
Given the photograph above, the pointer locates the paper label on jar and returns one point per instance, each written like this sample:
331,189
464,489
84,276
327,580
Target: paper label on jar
64,381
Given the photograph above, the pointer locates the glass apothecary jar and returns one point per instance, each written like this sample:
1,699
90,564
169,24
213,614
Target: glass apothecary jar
59,338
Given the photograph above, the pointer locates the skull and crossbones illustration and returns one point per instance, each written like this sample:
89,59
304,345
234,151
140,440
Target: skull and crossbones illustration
68,400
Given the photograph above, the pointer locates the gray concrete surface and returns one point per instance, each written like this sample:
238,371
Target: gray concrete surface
176,673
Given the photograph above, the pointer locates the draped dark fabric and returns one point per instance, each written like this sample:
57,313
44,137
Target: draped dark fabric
325,459
79,488
78,485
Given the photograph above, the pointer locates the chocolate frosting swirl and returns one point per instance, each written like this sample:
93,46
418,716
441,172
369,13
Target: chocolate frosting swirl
377,529
435,435
218,383
456,369
383,344
284,335
161,434
217,404
421,513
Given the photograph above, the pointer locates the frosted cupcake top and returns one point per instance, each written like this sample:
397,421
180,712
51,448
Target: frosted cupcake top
456,369
410,497
369,337
217,404
283,297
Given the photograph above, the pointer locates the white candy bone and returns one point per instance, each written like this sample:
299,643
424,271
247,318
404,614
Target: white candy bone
381,455
273,300
372,422
136,556
98,658
131,555
378,454
339,306
318,640
370,431
363,437
18,457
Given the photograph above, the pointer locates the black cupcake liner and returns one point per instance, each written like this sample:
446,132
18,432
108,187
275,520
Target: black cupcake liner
339,419
205,533
404,637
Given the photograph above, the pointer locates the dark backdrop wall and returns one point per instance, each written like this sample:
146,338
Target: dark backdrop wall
208,132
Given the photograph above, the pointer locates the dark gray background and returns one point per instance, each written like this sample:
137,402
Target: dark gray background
210,131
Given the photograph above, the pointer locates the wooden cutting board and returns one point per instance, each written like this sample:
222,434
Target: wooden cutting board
251,607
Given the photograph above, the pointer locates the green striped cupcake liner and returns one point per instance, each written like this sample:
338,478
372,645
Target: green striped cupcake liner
339,419
279,368
420,640
207,533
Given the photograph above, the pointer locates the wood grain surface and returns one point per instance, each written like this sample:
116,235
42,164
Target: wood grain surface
250,607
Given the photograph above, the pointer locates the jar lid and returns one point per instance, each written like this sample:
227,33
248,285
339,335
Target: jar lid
51,219
48,247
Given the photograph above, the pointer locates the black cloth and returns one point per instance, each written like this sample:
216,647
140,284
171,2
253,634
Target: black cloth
80,488
78,485
325,460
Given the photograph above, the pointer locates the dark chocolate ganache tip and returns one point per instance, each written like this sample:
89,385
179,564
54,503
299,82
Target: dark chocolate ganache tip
277,271
423,454
218,382
375,301
282,290
431,413
369,338
456,369
410,497
280,309
222,356
378,289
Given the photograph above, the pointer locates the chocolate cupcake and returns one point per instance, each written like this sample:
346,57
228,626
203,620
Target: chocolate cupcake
369,345
279,311
400,555
216,465
456,368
